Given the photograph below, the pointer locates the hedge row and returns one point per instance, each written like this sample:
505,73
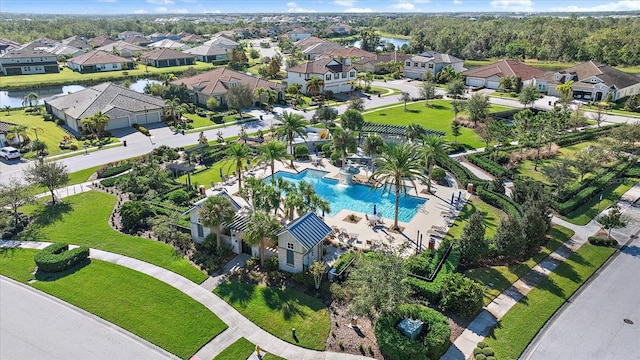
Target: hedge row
109,171
425,263
589,134
489,165
431,290
590,191
394,345
142,129
602,242
633,171
58,257
501,201
109,182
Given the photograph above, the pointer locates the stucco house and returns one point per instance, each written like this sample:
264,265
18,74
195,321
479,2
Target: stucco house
217,48
489,75
166,57
217,82
4,132
99,61
300,243
375,64
299,33
337,76
339,29
64,50
169,44
122,48
591,81
101,40
352,53
77,42
8,45
315,51
129,34
26,61
430,61
124,106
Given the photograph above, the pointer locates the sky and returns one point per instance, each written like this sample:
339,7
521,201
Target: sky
301,6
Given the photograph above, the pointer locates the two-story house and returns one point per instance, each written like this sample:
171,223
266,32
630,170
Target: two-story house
337,76
430,61
26,61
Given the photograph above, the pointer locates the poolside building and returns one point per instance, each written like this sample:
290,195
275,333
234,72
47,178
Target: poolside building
300,243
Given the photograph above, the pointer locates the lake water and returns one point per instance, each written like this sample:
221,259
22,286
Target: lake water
14,98
395,41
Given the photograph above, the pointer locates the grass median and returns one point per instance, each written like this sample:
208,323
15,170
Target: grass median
240,349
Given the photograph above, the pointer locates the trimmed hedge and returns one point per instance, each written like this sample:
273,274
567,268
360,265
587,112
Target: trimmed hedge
571,191
394,345
489,166
109,171
431,290
142,129
501,201
58,257
602,242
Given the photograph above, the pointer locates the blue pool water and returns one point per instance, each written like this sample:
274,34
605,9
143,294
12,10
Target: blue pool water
357,198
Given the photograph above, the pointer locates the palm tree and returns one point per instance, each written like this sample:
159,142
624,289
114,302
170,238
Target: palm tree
173,108
432,148
261,228
292,201
31,99
272,97
215,211
343,142
406,97
96,123
292,124
414,132
7,108
271,152
397,163
260,91
506,84
238,154
169,78
314,85
18,132
372,146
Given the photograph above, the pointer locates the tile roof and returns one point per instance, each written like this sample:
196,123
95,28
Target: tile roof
137,40
441,58
109,98
322,48
121,45
312,40
97,57
24,53
505,68
5,126
101,40
320,66
308,229
218,81
350,51
610,76
222,40
384,57
192,38
167,43
166,54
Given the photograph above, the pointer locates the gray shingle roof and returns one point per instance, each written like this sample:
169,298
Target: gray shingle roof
308,229
5,126
166,54
98,57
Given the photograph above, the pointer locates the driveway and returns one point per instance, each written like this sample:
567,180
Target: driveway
38,326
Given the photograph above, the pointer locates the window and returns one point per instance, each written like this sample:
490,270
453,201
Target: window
200,230
430,66
290,246
328,77
423,65
408,63
336,76
290,258
415,65
352,74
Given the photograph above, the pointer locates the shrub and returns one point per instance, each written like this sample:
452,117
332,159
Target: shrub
602,242
178,197
482,345
112,170
272,264
304,278
438,174
337,292
134,215
108,182
343,260
301,151
58,257
488,351
327,148
142,129
72,146
461,295
335,157
481,357
431,290
477,351
252,262
455,147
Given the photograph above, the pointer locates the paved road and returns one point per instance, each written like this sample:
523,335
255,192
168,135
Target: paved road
592,326
38,326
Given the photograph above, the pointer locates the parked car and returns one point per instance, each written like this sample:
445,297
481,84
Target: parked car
9,153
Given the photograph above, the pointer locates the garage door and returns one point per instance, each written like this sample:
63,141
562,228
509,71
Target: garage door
153,117
493,84
118,123
471,81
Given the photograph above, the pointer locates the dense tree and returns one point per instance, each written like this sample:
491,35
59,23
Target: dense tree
274,68
455,89
215,211
587,161
370,40
478,107
239,96
536,222
261,230
473,246
166,230
51,175
528,95
134,215
13,194
509,238
352,120
612,220
461,295
238,58
292,124
372,147
632,103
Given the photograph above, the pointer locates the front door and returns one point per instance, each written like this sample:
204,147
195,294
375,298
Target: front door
246,248
598,96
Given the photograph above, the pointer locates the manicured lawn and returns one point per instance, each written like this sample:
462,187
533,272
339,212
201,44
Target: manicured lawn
437,116
611,194
147,307
375,90
491,215
204,177
77,177
278,311
67,76
496,279
83,220
198,121
521,324
241,349
48,131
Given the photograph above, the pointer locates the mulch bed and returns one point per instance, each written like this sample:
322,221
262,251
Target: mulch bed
351,337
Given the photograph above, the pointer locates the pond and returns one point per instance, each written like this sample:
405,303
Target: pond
14,98
395,41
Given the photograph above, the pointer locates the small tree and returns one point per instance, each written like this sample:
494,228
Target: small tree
133,215
240,96
356,103
455,129
325,115
559,173
630,105
509,238
14,194
473,245
212,103
528,95
48,174
536,222
478,107
317,270
598,116
461,295
405,97
428,90
585,162
613,220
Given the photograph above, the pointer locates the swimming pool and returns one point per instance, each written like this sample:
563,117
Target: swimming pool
357,197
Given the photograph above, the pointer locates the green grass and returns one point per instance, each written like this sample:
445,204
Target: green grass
491,216
383,91
204,177
497,279
83,220
138,303
521,324
437,116
199,121
67,76
241,349
611,194
48,131
277,311
75,178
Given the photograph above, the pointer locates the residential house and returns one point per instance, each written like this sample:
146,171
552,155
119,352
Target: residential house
591,81
352,53
299,33
300,243
430,61
101,40
216,83
129,34
8,45
99,61
25,61
223,41
138,40
169,44
337,75
215,49
192,39
40,43
315,51
166,57
157,36
339,29
64,51
77,42
124,106
377,64
305,43
122,48
489,75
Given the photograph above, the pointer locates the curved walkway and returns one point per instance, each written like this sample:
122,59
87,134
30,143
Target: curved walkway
239,326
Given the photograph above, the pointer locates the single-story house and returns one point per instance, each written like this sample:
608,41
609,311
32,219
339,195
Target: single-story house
191,39
124,106
166,57
77,42
352,53
122,48
98,61
299,33
337,75
129,34
157,36
591,81
315,51
375,64
26,61
215,49
8,45
430,61
300,243
169,44
4,132
489,75
64,50
101,40
41,42
305,43
138,40
339,29
216,83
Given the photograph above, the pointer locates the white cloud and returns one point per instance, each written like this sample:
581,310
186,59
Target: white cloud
180,11
624,5
358,10
457,2
421,1
344,2
140,11
513,5
212,11
293,7
188,1
407,6
161,9
160,2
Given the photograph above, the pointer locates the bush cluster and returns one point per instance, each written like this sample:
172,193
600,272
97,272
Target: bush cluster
425,263
483,352
499,200
603,242
108,182
573,189
431,290
301,151
58,257
461,295
489,165
343,260
112,170
142,129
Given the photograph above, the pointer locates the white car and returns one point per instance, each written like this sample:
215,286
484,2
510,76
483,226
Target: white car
9,153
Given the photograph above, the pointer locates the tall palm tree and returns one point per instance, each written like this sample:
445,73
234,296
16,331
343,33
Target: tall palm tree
260,91
30,99
397,163
272,97
432,149
238,154
372,146
314,85
271,152
18,132
261,228
343,142
215,211
96,123
173,105
414,132
292,124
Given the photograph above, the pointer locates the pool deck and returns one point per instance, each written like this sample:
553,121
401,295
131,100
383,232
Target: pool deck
428,217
